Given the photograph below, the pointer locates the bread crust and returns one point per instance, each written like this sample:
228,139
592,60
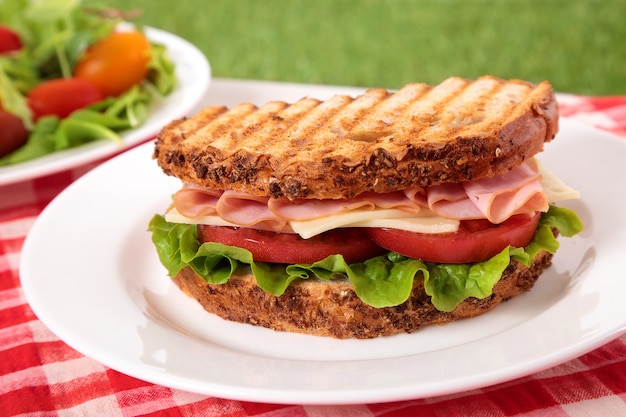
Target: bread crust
331,308
419,136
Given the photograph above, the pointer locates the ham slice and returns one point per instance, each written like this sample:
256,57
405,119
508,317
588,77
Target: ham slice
248,210
302,210
451,201
518,191
496,199
192,201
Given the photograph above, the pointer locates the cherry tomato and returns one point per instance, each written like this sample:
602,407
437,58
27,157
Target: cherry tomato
13,134
62,96
475,241
116,62
9,40
352,243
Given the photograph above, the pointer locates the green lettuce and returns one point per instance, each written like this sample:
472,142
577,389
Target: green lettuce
381,281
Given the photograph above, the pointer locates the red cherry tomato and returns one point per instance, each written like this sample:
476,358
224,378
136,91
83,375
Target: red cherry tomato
13,134
62,96
353,244
115,63
9,40
475,241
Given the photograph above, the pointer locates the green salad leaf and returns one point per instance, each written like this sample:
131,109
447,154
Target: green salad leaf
11,98
381,281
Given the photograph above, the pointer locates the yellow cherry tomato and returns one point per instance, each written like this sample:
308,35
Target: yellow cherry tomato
116,62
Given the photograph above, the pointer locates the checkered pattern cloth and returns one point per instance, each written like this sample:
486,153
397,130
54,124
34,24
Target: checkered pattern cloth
42,376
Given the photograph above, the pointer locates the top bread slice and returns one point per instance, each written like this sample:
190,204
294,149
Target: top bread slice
381,141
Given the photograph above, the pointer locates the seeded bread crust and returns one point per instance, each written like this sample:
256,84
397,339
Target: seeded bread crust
380,141
332,309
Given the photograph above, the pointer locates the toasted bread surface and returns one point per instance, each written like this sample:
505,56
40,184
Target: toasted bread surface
380,141
331,308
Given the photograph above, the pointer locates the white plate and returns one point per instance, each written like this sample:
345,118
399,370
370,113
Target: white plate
193,73
90,273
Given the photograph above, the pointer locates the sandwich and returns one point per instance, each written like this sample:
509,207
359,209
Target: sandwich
367,216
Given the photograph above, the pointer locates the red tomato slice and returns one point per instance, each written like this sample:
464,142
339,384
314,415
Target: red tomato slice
62,96
475,241
354,244
9,40
13,134
116,62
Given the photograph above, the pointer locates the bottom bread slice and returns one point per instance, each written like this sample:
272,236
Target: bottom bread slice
331,308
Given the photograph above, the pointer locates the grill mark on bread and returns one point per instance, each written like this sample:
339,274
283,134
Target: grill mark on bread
341,125
380,141
379,123
304,131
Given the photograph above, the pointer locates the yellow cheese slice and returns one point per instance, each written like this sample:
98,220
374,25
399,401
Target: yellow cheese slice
555,189
424,222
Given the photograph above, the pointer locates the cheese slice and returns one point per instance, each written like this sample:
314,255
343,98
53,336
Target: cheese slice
423,222
555,189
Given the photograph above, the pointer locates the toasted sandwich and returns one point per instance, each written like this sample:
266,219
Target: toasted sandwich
367,216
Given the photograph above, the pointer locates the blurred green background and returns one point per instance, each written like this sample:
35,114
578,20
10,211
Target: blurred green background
578,45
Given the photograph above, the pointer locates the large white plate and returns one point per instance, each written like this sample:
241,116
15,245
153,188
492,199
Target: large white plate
193,73
90,273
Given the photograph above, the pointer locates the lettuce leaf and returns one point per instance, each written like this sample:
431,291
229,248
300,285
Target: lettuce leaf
450,284
381,281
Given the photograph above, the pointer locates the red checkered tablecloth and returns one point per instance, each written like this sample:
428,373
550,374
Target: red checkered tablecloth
42,376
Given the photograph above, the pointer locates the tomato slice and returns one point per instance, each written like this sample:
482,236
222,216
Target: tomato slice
475,241
354,244
62,96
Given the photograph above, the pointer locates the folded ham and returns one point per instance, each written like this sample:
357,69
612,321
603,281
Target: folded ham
495,199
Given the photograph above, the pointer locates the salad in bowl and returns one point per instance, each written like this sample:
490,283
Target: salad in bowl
72,75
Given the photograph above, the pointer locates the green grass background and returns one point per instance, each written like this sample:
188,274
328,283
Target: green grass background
578,45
